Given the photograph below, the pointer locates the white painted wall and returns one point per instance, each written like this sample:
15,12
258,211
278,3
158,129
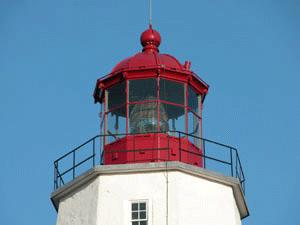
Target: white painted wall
197,201
81,206
191,200
117,191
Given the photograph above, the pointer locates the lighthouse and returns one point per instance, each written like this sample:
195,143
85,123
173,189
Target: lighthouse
153,167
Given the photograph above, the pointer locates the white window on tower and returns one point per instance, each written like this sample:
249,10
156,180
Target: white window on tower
139,213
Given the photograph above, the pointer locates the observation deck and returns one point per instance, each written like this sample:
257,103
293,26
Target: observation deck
217,157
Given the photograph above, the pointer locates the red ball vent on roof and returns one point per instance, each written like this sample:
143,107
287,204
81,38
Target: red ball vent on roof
150,40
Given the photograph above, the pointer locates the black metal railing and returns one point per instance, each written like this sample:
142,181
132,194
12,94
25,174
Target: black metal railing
216,156
58,177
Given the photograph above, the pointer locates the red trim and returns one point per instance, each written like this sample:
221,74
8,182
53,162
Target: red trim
105,131
132,103
127,107
201,124
158,112
194,113
161,77
175,79
115,108
171,103
142,102
202,81
187,110
144,78
151,67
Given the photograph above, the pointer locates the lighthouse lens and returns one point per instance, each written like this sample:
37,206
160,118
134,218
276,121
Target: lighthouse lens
143,118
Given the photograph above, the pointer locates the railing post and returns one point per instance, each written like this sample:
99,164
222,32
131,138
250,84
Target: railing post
73,164
93,152
179,146
134,147
101,155
231,162
236,160
55,176
204,164
168,147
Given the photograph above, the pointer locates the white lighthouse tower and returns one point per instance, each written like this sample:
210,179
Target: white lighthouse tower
155,168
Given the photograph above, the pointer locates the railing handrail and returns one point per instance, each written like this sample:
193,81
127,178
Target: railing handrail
77,147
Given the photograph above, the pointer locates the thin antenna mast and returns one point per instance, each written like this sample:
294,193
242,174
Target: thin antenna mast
150,13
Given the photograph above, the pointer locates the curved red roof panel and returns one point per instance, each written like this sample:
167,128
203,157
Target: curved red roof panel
145,59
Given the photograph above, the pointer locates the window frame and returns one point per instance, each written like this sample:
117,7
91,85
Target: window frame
128,211
138,211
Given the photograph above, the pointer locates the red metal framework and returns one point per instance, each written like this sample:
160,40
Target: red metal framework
186,105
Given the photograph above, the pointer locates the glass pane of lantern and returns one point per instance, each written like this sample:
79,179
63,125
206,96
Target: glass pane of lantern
194,128
116,96
116,124
143,117
171,91
193,100
172,118
142,90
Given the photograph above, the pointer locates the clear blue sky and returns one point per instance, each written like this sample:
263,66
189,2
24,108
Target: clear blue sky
52,52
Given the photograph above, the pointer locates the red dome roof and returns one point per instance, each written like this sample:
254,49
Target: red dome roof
149,58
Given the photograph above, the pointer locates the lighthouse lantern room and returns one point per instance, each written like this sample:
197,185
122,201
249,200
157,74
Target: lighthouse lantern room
152,104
